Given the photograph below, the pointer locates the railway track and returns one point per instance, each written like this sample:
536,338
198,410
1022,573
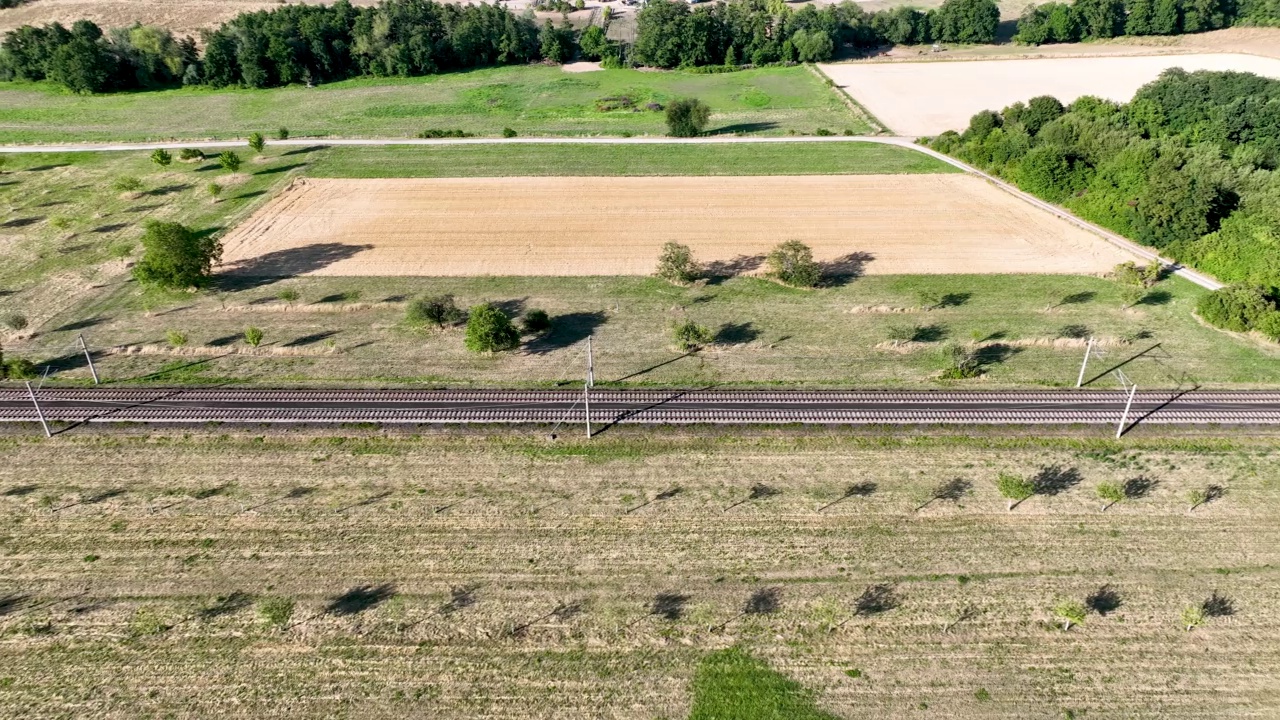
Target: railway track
174,405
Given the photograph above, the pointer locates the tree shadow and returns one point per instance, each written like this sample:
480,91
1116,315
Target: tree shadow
365,502
81,324
669,605
1209,495
460,598
167,190
951,300
1073,332
1218,606
299,492
736,334
225,340
42,168
1055,479
929,333
876,599
845,269
101,497
361,598
226,605
143,208
566,330
664,495
764,601
311,339
104,229
989,355
1155,297
749,127
717,271
759,491
1105,599
267,268
651,368
20,222
280,169
20,490
13,601
861,489
1079,298
249,195
304,150
1138,487
952,490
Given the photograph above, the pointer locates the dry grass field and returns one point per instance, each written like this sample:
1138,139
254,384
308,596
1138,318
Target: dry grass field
895,224
464,576
928,98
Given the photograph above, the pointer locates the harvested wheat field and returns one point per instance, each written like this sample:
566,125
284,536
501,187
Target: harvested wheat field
560,226
928,98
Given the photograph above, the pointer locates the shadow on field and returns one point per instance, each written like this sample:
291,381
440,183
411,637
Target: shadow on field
304,150
265,269
750,127
567,329
736,333
844,270
311,339
358,599
718,271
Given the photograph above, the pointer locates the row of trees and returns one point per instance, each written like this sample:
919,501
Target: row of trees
1189,166
672,34
307,44
1057,22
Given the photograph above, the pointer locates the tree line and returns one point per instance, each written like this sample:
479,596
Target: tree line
1190,166
310,44
1057,22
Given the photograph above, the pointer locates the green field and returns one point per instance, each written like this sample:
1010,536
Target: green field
837,158
533,100
367,574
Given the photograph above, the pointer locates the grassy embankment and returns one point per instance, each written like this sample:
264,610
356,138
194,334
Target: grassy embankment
465,576
533,100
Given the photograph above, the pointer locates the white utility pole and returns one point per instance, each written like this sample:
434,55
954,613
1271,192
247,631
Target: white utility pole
586,402
1133,389
85,347
591,365
39,413
1085,364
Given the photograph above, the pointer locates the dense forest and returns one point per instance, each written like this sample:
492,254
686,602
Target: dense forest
315,43
1190,166
1057,22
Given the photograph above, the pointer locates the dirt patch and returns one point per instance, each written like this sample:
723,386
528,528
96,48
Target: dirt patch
896,224
928,98
580,67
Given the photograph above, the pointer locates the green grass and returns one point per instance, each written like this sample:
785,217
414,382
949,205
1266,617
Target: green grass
555,159
533,100
732,685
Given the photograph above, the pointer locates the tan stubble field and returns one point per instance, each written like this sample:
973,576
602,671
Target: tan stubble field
574,226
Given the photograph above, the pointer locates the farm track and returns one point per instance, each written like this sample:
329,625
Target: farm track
609,407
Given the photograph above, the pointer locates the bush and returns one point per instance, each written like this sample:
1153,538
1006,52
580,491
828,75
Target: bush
439,310
435,133
126,184
282,133
1235,307
687,117
1129,273
792,263
961,364
190,154
1269,325
288,295
15,321
676,264
229,161
161,157
275,610
508,132
214,190
536,321
253,336
19,369
176,338
175,257
690,336
490,330
257,142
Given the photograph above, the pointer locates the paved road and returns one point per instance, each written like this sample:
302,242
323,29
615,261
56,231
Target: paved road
637,406
1138,250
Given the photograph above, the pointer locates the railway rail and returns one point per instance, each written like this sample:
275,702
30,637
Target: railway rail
608,406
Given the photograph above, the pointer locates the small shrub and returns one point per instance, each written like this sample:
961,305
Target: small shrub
676,264
508,132
1070,613
282,133
536,321
288,295
440,310
687,117
91,558
823,132
253,336
1014,488
229,161
1129,273
1110,493
690,336
161,157
982,695
146,622
257,142
176,338
214,190
792,263
962,364
190,155
19,369
1193,617
436,133
490,330
126,184
15,321
275,610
